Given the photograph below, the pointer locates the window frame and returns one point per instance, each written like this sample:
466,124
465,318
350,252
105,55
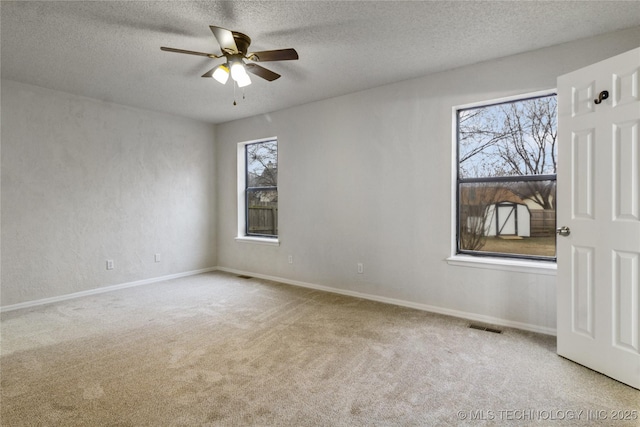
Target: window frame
243,234
492,260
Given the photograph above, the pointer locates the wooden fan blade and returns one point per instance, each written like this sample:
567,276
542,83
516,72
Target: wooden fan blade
273,55
225,39
262,72
210,72
189,52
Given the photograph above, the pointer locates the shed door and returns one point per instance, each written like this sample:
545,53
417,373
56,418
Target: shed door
506,219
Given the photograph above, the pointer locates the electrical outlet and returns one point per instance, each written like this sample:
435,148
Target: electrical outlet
290,259
156,258
109,264
360,268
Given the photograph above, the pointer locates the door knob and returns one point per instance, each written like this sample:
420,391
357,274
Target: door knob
563,231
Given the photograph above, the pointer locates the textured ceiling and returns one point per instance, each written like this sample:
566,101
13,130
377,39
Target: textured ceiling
111,50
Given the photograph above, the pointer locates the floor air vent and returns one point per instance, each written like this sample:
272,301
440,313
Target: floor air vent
485,328
242,276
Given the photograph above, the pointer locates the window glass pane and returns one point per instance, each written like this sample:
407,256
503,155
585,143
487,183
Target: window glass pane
262,212
262,164
510,139
516,217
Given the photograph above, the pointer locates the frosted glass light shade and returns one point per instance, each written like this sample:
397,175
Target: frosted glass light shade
244,81
221,74
239,74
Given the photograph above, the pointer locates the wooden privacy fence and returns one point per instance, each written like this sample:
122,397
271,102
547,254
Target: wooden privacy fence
543,222
263,219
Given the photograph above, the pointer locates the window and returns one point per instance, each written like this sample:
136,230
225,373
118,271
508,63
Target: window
506,179
258,182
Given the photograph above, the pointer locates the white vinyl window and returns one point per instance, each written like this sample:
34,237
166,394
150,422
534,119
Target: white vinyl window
506,168
258,191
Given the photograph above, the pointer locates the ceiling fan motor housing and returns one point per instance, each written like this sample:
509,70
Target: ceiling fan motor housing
242,42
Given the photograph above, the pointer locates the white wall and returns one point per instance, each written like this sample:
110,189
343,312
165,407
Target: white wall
84,181
367,178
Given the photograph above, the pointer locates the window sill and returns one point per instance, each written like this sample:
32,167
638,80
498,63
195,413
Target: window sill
258,240
504,264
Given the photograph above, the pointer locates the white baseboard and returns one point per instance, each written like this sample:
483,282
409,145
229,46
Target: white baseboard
424,307
96,291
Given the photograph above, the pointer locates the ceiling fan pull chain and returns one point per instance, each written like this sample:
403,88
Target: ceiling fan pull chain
234,93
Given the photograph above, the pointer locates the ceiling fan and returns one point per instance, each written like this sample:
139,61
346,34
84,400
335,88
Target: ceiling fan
234,46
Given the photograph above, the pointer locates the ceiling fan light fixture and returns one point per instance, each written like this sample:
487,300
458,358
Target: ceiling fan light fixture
239,74
244,81
221,74
234,47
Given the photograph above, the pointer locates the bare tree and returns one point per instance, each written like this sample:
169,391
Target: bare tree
512,139
475,200
472,233
528,146
262,164
477,134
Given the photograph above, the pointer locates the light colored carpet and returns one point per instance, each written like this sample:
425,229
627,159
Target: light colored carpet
219,350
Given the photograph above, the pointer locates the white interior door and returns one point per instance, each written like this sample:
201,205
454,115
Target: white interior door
599,200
